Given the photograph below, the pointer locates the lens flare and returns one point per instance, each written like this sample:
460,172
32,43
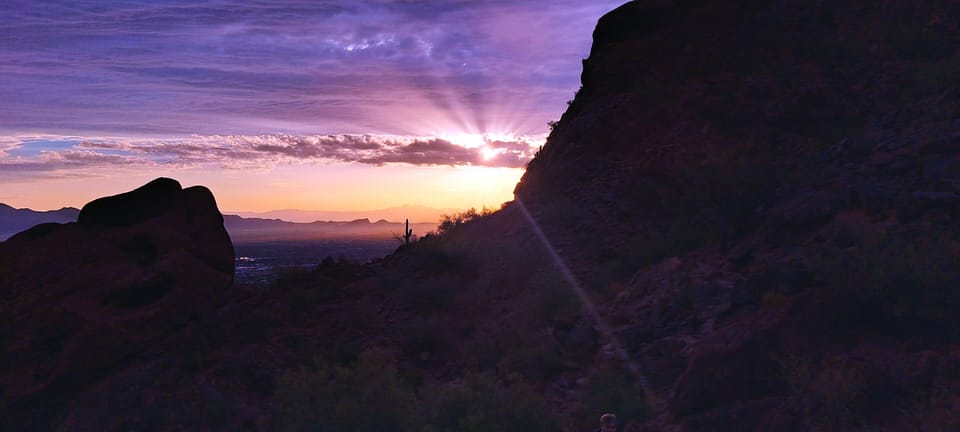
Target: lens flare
591,309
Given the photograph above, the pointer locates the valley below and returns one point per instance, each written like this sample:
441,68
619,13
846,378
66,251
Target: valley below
259,263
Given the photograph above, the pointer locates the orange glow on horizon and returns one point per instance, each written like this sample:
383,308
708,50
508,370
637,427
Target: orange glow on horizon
283,182
334,186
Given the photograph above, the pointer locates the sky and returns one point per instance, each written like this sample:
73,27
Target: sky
319,104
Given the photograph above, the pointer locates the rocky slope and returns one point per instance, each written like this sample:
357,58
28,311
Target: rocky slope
776,186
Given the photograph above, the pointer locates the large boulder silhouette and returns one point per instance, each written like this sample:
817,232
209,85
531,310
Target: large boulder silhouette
84,300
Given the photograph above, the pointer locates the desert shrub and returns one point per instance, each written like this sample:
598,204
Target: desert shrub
338,268
937,411
437,276
199,342
832,388
839,392
441,255
902,284
429,335
367,396
798,372
535,362
255,325
935,76
772,299
342,351
839,386
681,297
425,296
370,395
913,41
217,408
449,223
293,277
304,288
554,298
479,404
618,391
481,353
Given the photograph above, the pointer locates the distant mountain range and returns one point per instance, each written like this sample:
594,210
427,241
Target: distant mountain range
255,229
14,220
252,230
416,214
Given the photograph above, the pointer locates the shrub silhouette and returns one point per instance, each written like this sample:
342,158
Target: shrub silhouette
616,391
370,395
449,223
900,283
478,404
367,396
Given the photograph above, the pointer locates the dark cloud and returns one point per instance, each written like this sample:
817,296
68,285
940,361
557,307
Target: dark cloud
77,157
432,152
241,151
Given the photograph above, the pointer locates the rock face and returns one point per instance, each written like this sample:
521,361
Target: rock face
774,184
82,301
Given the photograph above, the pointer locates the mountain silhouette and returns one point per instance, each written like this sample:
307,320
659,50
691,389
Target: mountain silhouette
13,220
416,213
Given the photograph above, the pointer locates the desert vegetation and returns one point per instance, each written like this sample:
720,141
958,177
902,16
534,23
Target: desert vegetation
371,395
451,222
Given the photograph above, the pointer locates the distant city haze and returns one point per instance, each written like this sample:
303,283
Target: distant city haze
333,105
285,225
416,214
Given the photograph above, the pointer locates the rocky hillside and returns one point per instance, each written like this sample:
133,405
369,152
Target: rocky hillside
776,184
746,220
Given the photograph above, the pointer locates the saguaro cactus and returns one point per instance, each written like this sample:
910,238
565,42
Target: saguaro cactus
407,232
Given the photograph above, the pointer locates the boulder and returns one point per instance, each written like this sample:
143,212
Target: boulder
81,301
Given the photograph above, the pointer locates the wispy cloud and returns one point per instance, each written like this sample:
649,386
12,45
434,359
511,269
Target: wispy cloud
297,66
35,154
7,144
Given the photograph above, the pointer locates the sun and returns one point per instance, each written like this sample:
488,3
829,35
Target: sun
488,153
488,145
468,140
475,141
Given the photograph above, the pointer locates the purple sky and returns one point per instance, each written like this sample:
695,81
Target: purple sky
93,88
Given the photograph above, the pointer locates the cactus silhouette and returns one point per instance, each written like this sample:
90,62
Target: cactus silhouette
407,232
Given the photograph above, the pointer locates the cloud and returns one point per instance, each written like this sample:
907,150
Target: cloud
76,157
260,151
297,66
7,144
